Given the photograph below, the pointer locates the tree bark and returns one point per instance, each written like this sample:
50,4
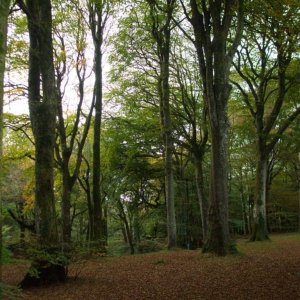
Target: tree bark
211,24
4,11
97,23
42,110
259,226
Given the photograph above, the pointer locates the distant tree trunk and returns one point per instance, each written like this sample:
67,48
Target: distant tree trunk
4,10
201,196
126,228
66,207
211,24
161,30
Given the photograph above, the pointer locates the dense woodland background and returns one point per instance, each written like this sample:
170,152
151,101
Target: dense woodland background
151,124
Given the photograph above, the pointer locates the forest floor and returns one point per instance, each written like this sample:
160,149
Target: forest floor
262,270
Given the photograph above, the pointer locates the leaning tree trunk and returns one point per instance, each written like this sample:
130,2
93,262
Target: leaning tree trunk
4,10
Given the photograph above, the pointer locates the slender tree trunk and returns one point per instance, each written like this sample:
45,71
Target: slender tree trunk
126,226
4,10
161,30
97,23
66,206
201,196
163,86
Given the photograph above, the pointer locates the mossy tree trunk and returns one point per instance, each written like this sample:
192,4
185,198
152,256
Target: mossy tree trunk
43,99
42,108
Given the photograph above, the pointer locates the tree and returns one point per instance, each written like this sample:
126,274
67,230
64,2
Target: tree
43,111
4,11
98,15
72,137
264,63
190,116
216,44
42,107
161,31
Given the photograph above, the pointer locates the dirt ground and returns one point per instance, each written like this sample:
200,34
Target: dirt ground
263,270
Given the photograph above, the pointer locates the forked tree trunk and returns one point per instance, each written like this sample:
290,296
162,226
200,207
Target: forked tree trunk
43,116
211,23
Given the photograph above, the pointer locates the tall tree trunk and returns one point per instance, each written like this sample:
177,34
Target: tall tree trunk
4,10
218,239
42,108
97,23
211,23
43,116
